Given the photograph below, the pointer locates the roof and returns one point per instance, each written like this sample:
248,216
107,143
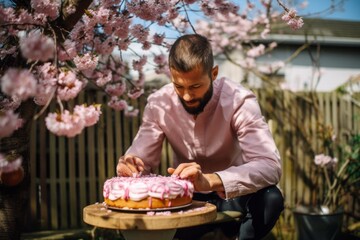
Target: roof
327,30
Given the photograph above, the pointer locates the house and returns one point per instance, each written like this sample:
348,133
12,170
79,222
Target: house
334,48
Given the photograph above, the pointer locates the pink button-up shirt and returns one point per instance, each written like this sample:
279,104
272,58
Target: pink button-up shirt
229,138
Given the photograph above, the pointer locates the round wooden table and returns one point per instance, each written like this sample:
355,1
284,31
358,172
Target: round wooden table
141,225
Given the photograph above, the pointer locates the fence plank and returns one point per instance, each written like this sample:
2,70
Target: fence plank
53,182
62,184
100,146
110,144
74,211
32,216
81,166
44,216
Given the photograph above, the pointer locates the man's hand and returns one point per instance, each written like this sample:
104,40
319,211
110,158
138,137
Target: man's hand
202,182
129,165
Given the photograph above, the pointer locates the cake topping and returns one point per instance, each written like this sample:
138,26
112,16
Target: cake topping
139,188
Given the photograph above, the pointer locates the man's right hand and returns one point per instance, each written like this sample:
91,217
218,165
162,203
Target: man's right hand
129,166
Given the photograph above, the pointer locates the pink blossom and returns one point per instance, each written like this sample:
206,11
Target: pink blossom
44,94
47,72
65,124
325,160
117,104
189,1
272,45
24,17
9,122
161,64
101,15
103,77
158,38
292,20
47,75
106,47
146,45
124,44
247,63
139,32
90,114
18,83
36,46
271,68
87,62
47,7
265,33
172,13
135,93
9,166
148,10
256,51
296,23
7,15
11,103
119,26
39,19
68,85
208,8
139,64
131,112
116,89
67,51
160,59
109,3
226,7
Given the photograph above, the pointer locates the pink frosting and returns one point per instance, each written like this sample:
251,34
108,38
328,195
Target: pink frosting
139,188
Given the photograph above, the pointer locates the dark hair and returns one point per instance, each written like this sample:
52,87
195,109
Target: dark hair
189,52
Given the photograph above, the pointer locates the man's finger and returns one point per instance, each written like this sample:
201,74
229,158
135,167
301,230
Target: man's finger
123,171
181,167
171,170
132,167
190,173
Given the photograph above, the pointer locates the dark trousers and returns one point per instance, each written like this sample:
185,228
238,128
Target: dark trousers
261,211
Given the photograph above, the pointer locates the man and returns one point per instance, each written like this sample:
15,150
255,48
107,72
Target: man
219,138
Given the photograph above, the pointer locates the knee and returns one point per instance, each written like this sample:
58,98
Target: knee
274,198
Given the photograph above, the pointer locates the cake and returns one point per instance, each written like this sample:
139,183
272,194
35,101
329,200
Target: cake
147,192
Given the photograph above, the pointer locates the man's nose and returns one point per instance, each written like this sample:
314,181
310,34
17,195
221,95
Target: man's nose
187,96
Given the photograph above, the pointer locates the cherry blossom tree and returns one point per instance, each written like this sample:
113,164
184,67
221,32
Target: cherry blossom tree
51,50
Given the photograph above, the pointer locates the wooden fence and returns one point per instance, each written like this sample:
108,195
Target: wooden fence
68,174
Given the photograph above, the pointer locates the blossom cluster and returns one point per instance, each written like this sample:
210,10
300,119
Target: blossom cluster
71,124
292,19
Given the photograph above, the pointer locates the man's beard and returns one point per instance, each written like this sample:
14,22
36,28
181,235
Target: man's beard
203,101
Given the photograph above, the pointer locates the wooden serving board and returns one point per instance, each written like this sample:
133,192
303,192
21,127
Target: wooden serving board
196,214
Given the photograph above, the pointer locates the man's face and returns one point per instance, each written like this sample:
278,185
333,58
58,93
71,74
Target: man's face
194,88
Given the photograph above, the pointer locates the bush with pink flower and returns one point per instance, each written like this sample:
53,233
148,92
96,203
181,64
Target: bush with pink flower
339,170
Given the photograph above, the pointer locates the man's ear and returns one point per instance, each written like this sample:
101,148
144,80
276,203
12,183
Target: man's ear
214,72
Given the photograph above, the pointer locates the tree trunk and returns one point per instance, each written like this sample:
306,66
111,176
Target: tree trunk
14,201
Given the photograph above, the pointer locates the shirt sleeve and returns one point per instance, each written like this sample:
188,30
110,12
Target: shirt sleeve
147,143
260,165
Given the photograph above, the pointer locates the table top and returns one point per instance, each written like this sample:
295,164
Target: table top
196,214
